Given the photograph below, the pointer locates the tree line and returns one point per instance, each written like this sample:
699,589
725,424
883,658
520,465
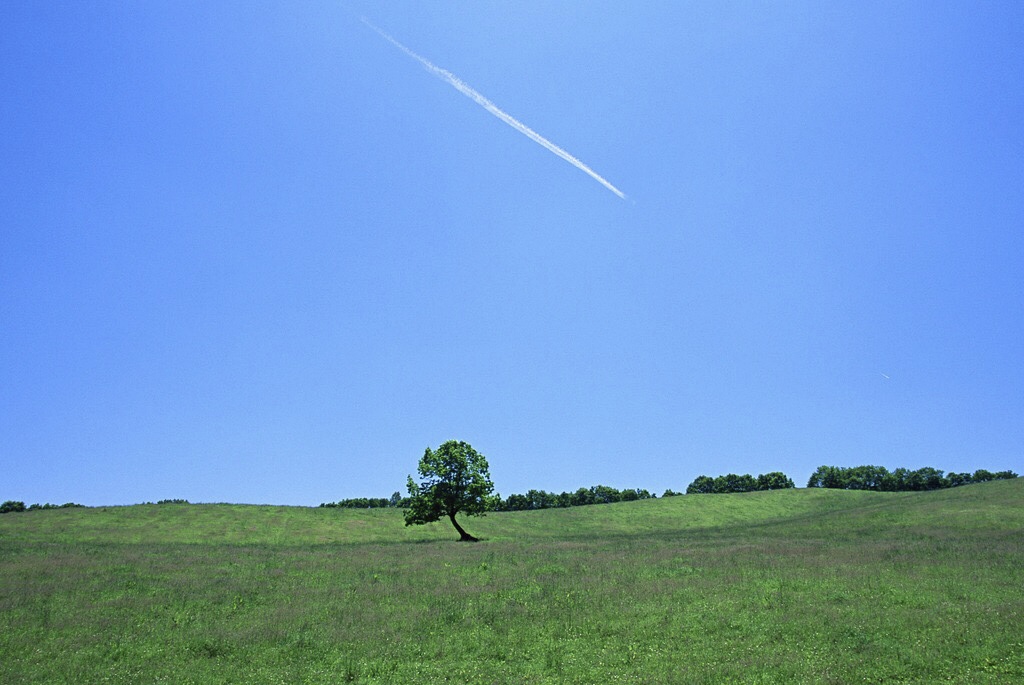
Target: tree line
11,506
876,478
396,500
849,478
731,482
534,499
881,479
597,494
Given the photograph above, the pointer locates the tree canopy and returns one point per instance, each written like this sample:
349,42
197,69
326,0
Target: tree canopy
454,479
898,480
596,494
776,480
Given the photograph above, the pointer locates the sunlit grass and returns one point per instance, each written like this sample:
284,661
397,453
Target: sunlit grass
774,587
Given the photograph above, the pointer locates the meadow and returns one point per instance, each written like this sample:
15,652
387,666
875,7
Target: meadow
790,586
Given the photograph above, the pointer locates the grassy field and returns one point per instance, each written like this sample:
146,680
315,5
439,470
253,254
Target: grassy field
810,586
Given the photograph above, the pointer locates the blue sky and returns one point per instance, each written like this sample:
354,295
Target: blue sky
256,253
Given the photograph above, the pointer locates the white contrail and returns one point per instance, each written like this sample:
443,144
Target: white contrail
479,99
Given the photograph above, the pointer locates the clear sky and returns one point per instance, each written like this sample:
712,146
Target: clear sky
254,252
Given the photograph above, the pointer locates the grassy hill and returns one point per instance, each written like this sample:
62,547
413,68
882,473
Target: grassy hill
771,587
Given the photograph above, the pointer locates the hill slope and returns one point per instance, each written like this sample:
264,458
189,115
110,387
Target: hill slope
238,524
788,586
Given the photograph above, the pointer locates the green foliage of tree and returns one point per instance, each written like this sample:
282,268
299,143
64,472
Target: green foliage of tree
396,501
634,494
983,476
583,496
958,479
927,478
360,503
597,494
701,485
454,479
604,494
898,480
864,477
776,480
11,506
824,477
731,482
66,505
515,503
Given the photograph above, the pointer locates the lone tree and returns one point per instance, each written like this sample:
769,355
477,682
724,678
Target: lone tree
454,479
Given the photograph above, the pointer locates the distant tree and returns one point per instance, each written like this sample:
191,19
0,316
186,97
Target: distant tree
597,494
864,477
634,494
604,494
898,480
671,493
827,477
927,478
701,485
629,495
776,480
983,476
515,503
12,506
582,497
732,482
454,479
541,499
395,501
958,479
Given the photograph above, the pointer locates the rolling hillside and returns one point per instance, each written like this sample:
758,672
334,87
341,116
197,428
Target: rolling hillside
785,586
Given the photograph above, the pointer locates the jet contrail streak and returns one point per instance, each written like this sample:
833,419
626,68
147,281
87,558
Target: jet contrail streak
464,88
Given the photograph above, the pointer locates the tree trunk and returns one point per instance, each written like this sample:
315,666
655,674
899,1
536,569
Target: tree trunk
466,537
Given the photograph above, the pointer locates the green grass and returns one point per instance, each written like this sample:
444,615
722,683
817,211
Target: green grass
810,586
